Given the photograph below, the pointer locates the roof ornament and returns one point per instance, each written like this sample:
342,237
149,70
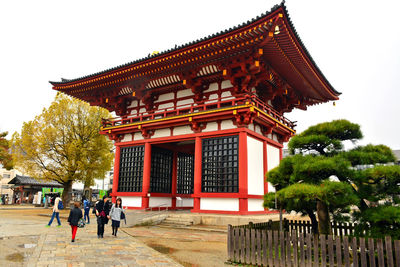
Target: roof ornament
277,31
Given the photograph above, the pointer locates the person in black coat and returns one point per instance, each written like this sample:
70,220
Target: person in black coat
102,211
74,216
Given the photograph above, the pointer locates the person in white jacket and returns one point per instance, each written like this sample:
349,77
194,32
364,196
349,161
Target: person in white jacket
56,213
115,215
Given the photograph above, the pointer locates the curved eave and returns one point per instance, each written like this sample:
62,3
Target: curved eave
287,54
307,57
188,46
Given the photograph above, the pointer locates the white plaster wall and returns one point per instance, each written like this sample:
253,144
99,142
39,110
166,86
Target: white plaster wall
186,92
158,201
213,96
255,204
258,129
272,161
275,137
182,130
166,105
138,136
211,126
162,133
164,97
185,102
185,202
228,204
131,201
227,124
127,138
255,169
142,110
212,87
133,104
226,84
134,112
226,94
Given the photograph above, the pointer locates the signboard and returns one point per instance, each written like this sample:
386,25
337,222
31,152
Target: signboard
45,190
55,190
102,193
58,190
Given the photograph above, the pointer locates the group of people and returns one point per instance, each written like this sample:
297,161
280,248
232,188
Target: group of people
103,209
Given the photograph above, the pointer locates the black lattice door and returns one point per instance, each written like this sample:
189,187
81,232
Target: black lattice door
161,170
185,175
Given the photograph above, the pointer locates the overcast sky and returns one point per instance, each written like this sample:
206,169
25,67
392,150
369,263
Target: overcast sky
356,44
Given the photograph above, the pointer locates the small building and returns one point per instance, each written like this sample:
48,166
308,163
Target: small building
6,193
199,125
27,189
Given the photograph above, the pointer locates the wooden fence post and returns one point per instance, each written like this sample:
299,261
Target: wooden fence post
338,251
389,251
371,252
346,255
397,251
322,240
288,249
355,252
363,255
230,252
316,250
330,249
379,248
259,247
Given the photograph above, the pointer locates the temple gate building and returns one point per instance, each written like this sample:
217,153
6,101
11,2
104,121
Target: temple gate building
199,125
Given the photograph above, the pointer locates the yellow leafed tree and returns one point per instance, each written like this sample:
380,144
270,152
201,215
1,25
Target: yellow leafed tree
63,144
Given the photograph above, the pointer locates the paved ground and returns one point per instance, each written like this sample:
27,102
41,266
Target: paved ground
191,248
25,241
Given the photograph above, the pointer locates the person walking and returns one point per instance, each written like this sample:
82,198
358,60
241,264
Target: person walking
74,216
86,209
115,215
56,212
102,211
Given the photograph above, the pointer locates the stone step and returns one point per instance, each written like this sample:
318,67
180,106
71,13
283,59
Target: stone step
177,222
177,219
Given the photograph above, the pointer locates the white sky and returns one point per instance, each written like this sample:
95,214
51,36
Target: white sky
355,43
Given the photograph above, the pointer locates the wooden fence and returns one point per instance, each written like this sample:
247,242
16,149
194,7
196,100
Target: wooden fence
338,229
260,247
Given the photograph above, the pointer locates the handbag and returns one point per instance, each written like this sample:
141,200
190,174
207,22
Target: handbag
122,215
81,223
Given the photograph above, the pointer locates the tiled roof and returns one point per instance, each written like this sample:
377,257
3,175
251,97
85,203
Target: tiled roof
26,180
63,80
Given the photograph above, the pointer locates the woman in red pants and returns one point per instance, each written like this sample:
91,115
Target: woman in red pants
74,216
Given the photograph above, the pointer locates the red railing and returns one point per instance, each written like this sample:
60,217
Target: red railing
271,112
225,102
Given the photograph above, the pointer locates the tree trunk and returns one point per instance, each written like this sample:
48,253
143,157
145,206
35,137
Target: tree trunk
324,224
66,196
314,222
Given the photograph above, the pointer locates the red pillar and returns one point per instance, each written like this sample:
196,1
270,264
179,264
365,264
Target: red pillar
146,175
197,174
116,173
174,178
265,160
243,201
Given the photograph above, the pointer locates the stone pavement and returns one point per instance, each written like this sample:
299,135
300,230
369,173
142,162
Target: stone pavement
56,249
53,247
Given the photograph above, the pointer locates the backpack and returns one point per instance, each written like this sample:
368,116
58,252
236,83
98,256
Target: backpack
81,223
60,205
